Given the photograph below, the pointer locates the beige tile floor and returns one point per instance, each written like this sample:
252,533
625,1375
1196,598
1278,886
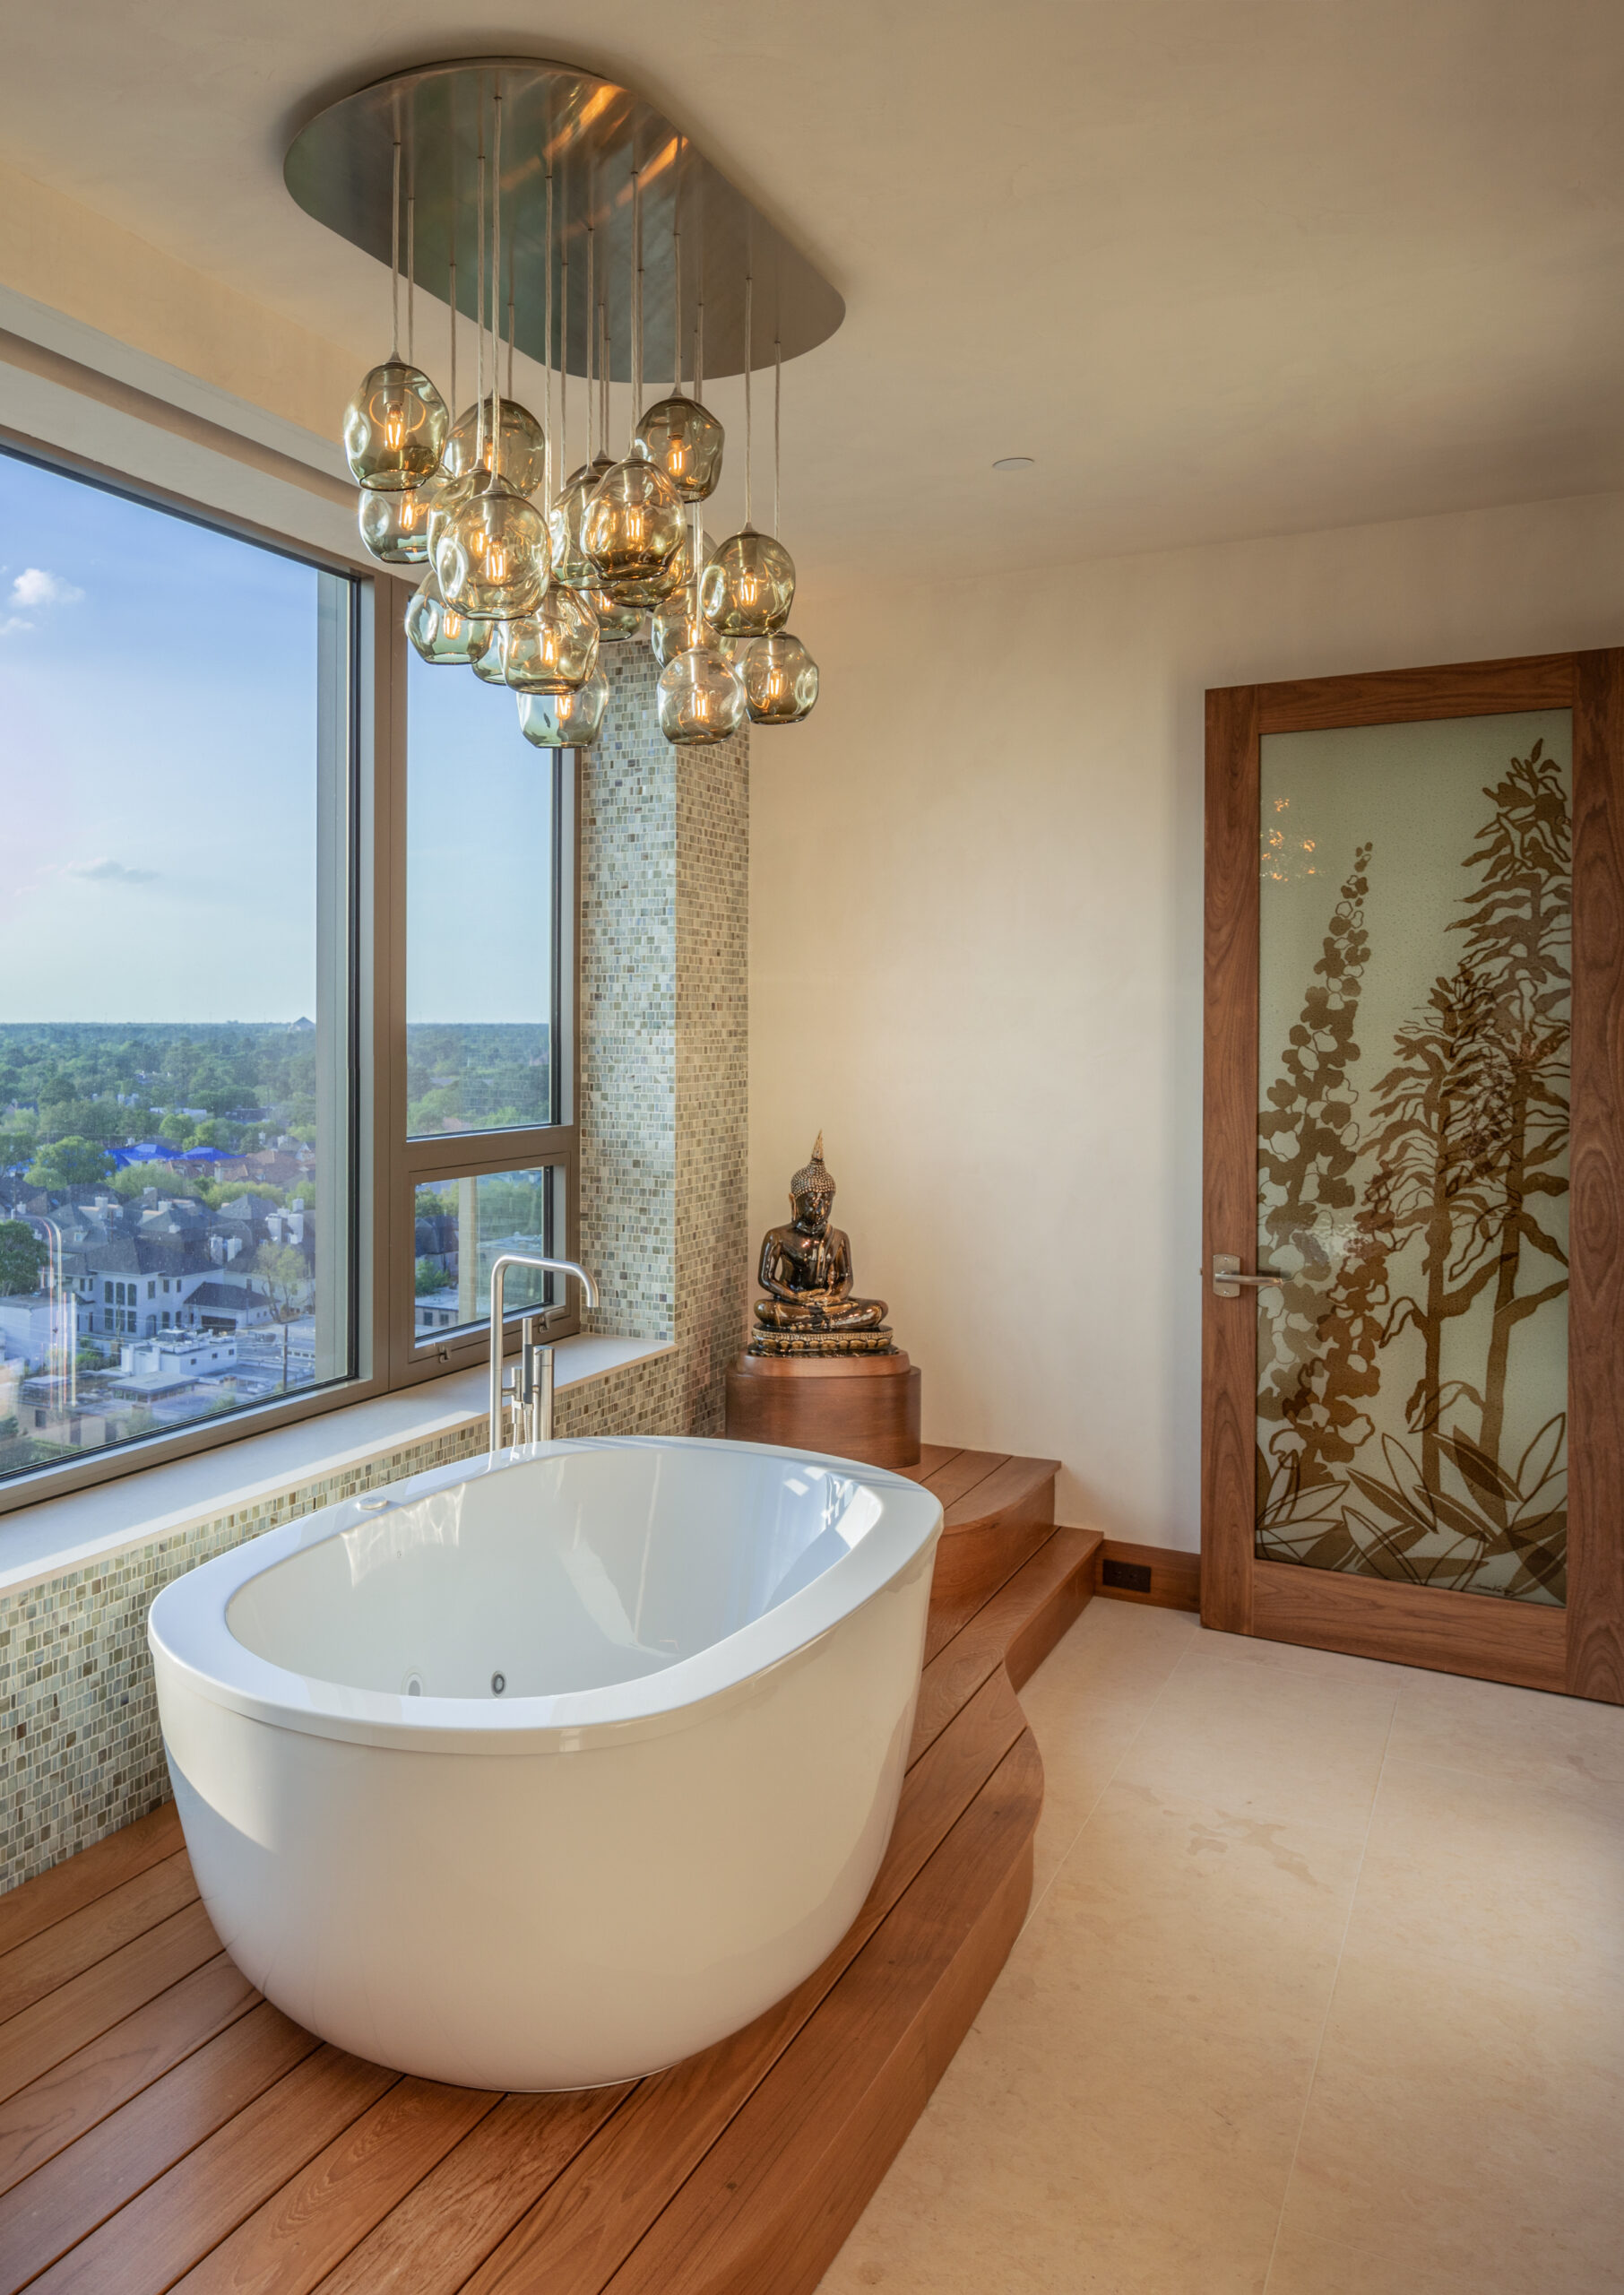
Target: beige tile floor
1322,1993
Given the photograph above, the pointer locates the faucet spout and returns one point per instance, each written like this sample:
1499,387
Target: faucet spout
535,1373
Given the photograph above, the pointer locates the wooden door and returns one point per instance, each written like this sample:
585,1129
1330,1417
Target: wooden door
1412,1440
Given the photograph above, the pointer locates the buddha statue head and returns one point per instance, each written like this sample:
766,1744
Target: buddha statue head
812,1192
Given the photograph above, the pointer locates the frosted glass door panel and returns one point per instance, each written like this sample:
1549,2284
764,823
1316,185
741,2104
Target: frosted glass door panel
1413,1152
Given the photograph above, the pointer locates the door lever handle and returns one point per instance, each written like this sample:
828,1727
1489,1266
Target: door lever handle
1228,1279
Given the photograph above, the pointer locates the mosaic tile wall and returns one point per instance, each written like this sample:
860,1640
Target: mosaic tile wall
665,839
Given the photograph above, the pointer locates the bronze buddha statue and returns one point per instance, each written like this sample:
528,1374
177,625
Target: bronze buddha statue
806,1271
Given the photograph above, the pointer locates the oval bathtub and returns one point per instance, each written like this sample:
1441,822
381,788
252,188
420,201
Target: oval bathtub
551,1771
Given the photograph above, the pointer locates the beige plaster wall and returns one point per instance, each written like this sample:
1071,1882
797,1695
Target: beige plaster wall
92,270
976,945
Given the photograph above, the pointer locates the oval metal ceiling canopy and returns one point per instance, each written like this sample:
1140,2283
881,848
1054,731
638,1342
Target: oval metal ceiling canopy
339,168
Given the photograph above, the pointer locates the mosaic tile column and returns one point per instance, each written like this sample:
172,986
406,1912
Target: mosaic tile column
664,1059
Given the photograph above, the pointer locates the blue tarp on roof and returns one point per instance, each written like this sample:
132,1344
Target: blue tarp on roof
145,1151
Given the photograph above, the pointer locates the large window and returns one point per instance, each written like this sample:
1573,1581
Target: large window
285,988
487,1032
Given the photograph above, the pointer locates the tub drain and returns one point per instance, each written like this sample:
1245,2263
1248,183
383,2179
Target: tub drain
498,1682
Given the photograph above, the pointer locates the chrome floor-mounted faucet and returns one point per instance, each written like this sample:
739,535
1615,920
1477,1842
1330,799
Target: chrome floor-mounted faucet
531,1381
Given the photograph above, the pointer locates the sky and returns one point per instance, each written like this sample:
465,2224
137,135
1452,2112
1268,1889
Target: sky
158,787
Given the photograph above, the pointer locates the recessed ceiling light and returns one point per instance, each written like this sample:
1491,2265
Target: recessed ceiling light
1014,462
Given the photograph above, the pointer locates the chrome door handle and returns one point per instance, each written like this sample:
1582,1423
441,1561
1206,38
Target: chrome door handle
1227,1277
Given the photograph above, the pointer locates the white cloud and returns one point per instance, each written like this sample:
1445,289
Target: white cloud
109,872
35,587
13,623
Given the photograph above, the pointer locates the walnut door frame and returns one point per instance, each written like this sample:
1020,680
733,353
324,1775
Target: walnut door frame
1578,1649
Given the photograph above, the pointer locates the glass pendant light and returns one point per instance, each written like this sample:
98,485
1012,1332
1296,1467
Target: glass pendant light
780,676
678,435
554,650
491,556
394,527
749,587
616,620
519,453
676,622
685,440
679,624
441,635
633,526
700,699
566,721
395,426
780,680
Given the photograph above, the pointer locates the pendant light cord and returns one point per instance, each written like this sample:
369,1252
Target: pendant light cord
451,283
546,321
394,256
411,278
634,409
749,355
592,336
480,300
778,398
677,278
564,340
496,288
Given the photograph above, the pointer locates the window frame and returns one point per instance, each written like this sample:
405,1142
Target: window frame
384,1164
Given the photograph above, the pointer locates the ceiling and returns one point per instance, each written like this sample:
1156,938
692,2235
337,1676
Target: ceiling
1222,267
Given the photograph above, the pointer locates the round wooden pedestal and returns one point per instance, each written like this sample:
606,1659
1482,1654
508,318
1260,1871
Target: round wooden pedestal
862,1407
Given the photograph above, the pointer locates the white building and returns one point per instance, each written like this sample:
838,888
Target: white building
26,1326
150,1367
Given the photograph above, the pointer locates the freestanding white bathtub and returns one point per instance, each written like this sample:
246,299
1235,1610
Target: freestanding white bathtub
550,1772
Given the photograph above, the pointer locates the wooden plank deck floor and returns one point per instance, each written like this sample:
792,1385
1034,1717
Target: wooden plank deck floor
161,2127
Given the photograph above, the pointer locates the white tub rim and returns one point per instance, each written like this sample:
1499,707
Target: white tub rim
188,1632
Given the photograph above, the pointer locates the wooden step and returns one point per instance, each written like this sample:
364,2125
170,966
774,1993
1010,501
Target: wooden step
235,2152
997,1510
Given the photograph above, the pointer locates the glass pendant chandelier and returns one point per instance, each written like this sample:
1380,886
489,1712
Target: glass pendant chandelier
566,721
633,526
439,633
780,676
700,699
749,587
491,556
678,435
395,426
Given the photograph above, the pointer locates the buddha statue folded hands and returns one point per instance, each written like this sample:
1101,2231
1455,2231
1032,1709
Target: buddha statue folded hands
806,1272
